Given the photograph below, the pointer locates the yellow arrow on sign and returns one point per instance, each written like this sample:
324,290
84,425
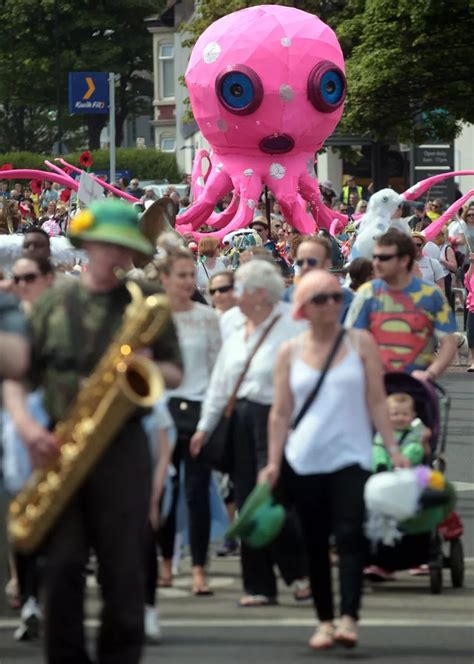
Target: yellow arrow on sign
90,88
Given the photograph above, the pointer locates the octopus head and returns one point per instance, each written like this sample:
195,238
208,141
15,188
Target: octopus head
267,79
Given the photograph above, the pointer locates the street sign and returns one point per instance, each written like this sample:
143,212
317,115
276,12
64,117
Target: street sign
433,159
88,92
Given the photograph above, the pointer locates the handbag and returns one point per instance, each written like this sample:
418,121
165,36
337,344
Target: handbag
314,392
217,451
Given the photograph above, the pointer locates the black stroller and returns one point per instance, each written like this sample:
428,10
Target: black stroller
439,546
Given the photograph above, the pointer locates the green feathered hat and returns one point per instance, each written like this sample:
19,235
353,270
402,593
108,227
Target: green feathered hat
109,221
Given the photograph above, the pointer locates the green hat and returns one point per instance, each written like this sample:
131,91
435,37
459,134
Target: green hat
260,519
109,221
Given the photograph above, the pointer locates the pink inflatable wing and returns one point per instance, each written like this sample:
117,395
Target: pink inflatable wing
419,188
32,174
267,87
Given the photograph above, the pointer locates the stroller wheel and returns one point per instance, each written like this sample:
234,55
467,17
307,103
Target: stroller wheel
436,580
456,563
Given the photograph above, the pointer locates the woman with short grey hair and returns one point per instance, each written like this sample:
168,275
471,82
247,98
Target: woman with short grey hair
260,275
258,287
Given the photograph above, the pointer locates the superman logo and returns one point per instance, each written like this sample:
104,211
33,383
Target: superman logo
401,336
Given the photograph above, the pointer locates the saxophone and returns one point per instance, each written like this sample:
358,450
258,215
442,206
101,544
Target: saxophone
121,382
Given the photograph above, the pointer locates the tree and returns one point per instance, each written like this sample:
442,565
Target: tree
409,73
42,40
408,68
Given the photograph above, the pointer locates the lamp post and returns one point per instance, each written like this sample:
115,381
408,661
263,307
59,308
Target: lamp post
57,73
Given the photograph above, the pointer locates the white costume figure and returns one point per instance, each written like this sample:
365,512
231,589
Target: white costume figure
377,220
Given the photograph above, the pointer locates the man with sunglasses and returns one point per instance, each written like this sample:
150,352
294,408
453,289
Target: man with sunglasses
405,314
315,253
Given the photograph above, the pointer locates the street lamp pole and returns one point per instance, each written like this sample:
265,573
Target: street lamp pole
57,72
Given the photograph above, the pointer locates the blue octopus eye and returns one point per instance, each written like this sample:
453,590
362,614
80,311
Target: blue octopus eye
326,87
239,89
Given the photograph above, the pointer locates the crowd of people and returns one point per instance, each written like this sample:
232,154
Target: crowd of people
258,319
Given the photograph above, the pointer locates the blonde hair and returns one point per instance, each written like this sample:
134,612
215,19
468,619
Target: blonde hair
401,398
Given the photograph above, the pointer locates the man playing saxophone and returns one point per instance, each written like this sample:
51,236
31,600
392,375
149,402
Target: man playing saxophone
72,328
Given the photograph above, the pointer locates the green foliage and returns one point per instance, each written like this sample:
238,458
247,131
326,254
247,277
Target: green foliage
143,164
409,71
42,40
408,62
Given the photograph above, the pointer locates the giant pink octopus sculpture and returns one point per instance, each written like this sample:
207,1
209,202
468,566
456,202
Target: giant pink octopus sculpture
267,88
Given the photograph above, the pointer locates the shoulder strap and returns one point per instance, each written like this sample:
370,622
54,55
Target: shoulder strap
313,394
205,270
233,397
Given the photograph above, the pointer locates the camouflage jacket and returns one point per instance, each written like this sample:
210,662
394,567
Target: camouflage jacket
61,357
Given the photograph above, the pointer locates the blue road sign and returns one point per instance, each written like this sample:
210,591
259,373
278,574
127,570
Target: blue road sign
88,92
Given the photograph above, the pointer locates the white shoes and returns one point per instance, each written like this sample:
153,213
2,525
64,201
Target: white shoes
152,625
31,616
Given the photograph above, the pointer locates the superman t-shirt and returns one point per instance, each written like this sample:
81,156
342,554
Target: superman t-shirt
404,322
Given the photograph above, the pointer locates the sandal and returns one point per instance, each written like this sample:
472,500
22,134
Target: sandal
202,591
199,585
323,637
249,601
346,634
165,582
302,590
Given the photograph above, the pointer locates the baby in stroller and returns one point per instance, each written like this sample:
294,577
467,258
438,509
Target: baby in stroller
412,435
422,409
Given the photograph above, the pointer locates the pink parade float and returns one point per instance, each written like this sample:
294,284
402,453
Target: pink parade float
267,88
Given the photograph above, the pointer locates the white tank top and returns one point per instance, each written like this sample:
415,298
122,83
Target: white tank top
336,431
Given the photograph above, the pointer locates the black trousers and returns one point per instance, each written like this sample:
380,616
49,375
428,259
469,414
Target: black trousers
151,567
27,569
287,551
196,481
332,503
109,514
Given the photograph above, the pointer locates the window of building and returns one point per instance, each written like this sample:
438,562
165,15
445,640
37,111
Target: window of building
166,61
167,143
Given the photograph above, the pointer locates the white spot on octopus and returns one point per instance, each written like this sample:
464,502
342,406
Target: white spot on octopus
211,53
248,172
286,42
277,171
286,93
251,203
222,125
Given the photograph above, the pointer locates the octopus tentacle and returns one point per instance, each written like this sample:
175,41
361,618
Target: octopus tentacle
248,189
221,219
218,185
309,190
198,178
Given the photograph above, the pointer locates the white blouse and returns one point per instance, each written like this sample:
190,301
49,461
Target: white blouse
200,341
336,430
204,273
258,382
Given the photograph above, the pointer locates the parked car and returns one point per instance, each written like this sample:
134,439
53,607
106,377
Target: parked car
160,188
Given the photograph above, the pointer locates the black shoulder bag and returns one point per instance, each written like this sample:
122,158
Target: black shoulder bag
217,451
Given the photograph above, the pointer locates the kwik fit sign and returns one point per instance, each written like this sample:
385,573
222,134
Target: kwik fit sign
88,92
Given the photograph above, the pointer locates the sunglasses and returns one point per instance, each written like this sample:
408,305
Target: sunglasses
383,258
27,278
323,298
418,244
221,289
259,229
312,262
